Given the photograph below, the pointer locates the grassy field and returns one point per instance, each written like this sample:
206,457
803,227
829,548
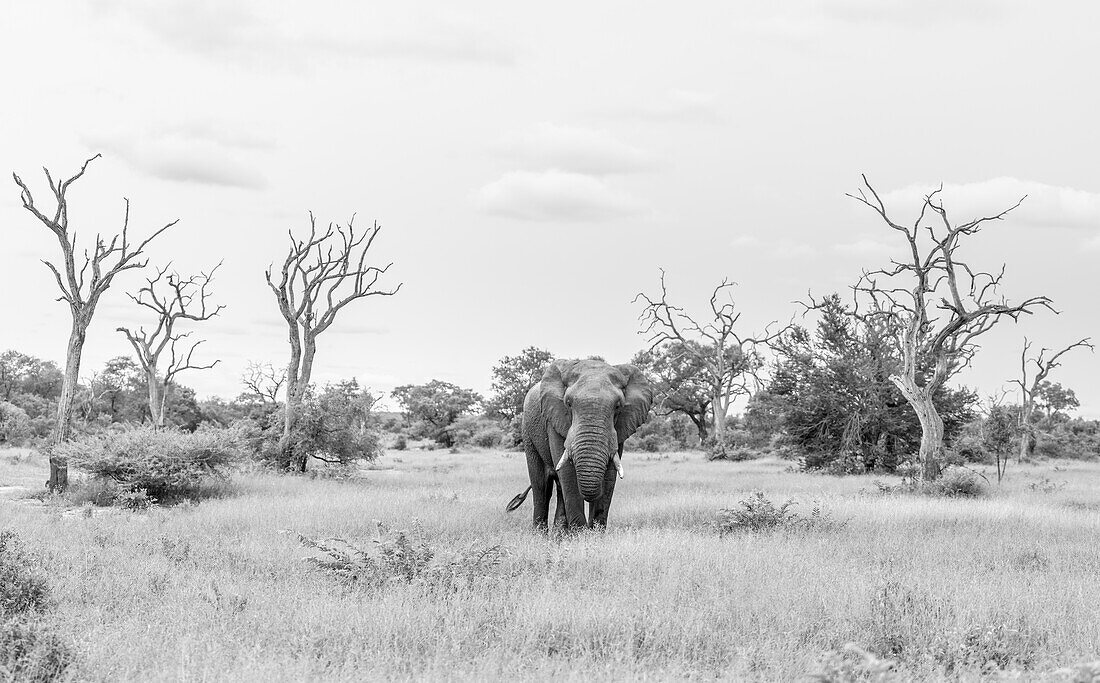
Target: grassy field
1006,586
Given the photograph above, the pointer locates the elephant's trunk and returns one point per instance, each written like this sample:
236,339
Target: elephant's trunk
588,448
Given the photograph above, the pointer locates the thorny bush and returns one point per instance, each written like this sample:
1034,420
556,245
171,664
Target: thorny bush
757,514
403,557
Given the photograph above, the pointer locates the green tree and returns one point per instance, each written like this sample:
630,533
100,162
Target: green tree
1055,400
679,381
832,395
512,377
433,407
334,425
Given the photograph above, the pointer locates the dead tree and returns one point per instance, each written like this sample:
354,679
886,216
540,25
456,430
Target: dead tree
82,281
1030,389
262,382
729,361
172,299
938,304
320,275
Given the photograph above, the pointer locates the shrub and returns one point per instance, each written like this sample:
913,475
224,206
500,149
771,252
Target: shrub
475,431
28,650
15,425
403,557
400,443
664,433
757,514
491,436
956,482
22,589
167,464
31,653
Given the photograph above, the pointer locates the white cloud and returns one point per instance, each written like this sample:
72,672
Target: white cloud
863,246
777,249
1045,206
680,106
237,32
178,157
547,146
553,196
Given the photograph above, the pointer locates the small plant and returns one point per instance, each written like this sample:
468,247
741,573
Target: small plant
31,653
956,482
400,443
22,589
757,514
1046,485
853,663
398,556
28,650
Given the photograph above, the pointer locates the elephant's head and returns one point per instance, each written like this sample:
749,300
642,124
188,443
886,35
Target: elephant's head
596,407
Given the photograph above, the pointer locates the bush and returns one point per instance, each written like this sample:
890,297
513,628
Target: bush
28,650
403,557
475,431
757,514
15,425
167,464
400,443
31,653
956,482
22,588
664,433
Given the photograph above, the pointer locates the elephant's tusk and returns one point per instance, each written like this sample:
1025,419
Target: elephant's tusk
618,464
564,457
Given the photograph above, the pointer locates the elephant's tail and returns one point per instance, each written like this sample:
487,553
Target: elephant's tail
517,501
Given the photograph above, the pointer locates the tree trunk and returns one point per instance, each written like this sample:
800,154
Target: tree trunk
719,405
931,425
59,468
156,398
931,440
1025,432
700,425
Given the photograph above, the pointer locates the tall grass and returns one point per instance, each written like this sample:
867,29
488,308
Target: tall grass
940,588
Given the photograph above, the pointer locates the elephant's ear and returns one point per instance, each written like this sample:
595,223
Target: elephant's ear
553,385
637,397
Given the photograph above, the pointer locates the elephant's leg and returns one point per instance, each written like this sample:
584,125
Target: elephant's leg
602,506
567,481
541,487
561,520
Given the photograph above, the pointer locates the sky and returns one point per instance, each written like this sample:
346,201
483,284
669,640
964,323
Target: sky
534,168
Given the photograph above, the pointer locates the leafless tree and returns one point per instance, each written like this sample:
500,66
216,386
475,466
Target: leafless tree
82,281
173,299
320,275
729,360
939,305
1029,389
263,381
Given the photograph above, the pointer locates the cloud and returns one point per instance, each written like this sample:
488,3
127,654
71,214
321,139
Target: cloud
777,249
177,157
551,147
553,196
863,246
1046,206
676,106
912,13
237,32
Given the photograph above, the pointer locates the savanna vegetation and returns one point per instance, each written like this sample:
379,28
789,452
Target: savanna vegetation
411,569
175,548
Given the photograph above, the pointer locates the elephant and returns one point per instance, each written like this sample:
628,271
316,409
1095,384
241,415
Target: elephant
575,421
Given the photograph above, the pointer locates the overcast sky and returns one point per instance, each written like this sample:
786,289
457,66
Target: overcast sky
533,168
